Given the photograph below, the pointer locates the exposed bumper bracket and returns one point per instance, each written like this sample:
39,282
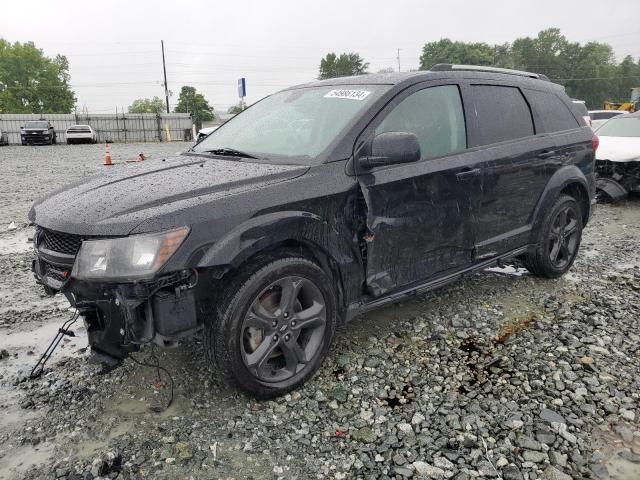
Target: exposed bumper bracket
609,190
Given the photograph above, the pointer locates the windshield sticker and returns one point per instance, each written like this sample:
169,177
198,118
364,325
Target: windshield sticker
350,94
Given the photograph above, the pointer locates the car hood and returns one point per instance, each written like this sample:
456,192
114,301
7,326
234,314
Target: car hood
127,195
619,149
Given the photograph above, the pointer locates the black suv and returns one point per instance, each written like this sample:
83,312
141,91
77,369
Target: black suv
319,203
38,131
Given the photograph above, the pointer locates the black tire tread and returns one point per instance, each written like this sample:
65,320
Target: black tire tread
536,261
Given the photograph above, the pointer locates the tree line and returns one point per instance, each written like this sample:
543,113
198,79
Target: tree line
31,82
189,101
588,72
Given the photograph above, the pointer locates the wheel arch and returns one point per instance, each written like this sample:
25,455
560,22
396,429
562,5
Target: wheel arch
567,180
581,195
274,235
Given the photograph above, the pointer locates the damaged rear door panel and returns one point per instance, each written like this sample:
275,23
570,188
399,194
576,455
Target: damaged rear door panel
421,215
501,124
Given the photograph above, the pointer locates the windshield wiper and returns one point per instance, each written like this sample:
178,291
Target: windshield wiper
229,152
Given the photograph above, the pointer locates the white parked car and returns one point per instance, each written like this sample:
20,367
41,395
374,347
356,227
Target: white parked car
204,132
81,134
599,117
618,157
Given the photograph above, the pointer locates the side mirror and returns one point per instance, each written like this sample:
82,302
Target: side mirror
391,148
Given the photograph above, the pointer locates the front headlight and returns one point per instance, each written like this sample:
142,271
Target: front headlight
129,258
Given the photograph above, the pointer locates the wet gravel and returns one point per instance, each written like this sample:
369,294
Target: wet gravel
500,375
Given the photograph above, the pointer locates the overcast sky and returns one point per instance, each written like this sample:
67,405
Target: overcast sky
114,46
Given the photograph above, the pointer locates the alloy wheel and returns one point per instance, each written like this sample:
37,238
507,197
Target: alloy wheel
564,237
283,329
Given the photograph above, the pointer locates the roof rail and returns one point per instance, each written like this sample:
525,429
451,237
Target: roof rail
444,67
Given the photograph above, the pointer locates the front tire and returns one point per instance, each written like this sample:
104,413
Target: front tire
273,327
558,240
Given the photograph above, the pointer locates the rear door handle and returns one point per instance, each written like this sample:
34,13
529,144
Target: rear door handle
467,173
546,153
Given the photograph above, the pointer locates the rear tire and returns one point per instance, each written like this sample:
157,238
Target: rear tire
273,326
558,240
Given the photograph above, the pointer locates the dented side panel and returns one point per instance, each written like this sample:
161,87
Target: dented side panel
420,219
514,181
324,217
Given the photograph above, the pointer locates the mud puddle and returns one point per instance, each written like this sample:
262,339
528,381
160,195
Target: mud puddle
617,445
25,345
18,460
16,241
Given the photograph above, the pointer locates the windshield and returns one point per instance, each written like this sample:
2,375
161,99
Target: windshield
620,127
36,125
293,126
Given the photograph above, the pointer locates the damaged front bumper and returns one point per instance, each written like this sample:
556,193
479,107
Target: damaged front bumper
120,317
617,179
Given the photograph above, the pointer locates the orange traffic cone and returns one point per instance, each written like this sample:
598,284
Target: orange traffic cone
141,157
107,156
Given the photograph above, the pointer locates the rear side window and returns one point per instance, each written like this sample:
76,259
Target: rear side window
435,115
552,111
499,114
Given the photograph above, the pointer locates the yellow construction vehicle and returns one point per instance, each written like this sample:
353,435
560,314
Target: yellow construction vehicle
633,105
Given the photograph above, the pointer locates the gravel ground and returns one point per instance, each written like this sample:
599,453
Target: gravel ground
500,375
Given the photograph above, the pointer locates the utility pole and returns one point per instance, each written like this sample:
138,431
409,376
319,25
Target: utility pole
164,68
398,57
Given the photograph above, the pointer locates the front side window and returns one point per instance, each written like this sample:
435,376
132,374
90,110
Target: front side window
293,126
499,114
435,116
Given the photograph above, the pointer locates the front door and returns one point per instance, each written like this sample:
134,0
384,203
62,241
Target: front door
420,216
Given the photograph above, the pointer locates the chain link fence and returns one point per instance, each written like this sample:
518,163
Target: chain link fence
112,128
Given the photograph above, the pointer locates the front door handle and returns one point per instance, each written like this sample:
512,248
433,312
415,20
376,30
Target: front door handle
546,154
467,173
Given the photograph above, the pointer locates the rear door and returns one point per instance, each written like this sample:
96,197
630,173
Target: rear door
500,121
420,216
556,119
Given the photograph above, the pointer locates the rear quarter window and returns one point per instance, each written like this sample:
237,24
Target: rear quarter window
581,108
498,114
553,113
